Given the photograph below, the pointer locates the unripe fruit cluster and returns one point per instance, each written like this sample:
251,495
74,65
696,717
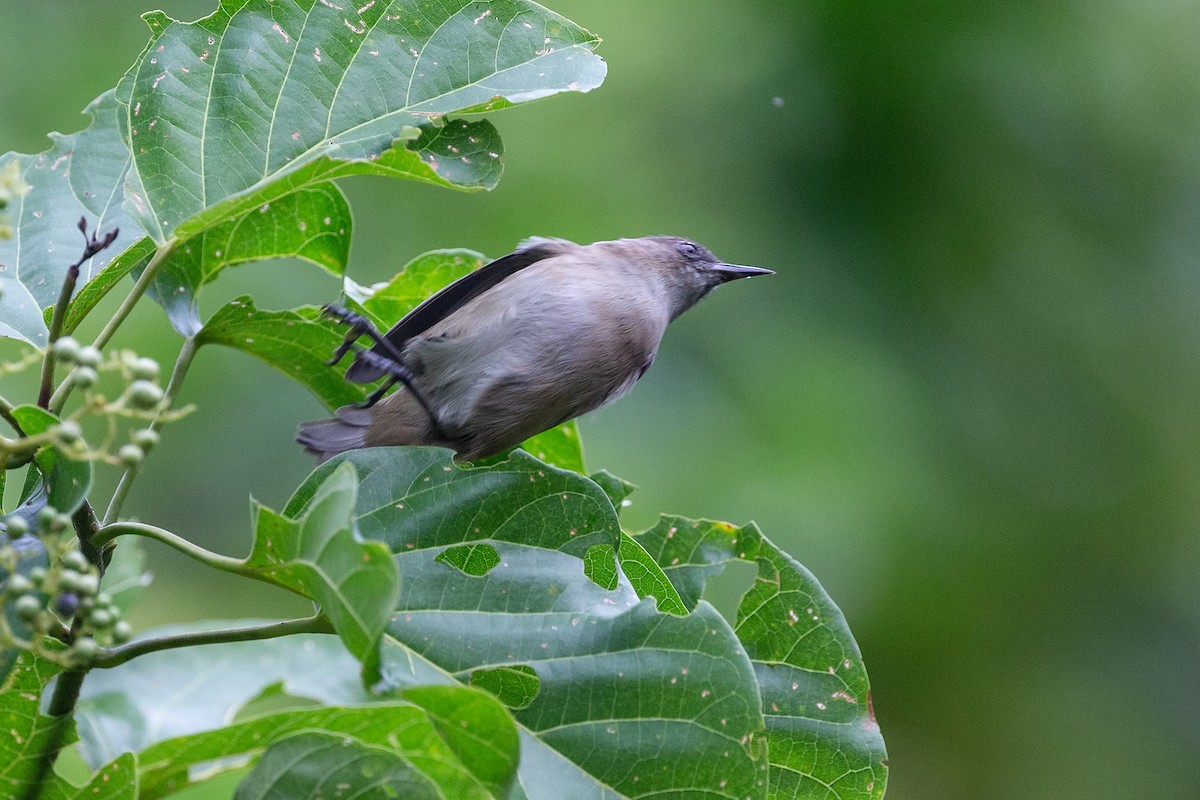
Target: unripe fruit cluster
69,588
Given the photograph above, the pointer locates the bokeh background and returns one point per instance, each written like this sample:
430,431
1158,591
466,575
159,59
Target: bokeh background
969,401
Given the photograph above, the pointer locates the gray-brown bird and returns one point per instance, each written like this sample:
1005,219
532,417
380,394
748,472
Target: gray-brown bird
520,345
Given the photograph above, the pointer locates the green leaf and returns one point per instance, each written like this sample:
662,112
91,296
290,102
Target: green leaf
416,281
68,480
415,498
27,732
413,730
81,175
647,576
514,686
132,260
297,343
312,224
181,692
262,98
822,734
115,781
318,555
303,765
629,702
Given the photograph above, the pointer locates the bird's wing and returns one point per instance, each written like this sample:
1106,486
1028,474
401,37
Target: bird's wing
456,295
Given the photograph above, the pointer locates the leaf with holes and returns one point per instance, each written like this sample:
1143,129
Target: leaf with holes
822,734
612,698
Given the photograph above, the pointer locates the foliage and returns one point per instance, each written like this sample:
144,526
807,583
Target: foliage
509,638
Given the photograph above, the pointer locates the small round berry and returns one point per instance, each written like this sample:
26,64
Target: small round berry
104,600
60,523
131,455
145,438
73,559
144,394
16,527
84,376
37,575
28,606
122,632
88,357
68,580
85,648
88,584
66,349
144,369
46,516
18,584
100,619
69,430
67,604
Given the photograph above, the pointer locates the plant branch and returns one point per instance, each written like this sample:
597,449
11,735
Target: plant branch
314,624
91,246
186,353
215,560
59,398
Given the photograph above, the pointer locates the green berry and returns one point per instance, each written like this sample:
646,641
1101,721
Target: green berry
122,632
88,357
104,600
18,584
60,523
73,559
100,618
84,376
85,648
69,430
16,526
144,394
37,575
66,349
46,516
144,369
68,580
131,455
145,439
88,584
28,606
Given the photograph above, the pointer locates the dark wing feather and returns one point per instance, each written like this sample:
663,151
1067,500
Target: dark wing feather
455,296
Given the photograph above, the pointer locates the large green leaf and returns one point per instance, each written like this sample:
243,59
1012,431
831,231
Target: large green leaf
318,554
81,175
263,97
823,738
628,701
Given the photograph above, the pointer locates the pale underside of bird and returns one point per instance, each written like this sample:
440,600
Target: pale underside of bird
523,344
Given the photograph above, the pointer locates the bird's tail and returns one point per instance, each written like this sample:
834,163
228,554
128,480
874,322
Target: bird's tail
325,438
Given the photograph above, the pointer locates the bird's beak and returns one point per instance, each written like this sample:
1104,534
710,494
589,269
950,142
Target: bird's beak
731,272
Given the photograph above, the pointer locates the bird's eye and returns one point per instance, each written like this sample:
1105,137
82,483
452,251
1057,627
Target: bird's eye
689,248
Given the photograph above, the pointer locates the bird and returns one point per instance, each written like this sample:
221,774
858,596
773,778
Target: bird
522,344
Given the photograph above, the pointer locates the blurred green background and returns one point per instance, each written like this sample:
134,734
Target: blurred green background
968,401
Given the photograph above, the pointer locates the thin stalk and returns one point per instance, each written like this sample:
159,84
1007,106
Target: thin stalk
314,624
59,398
56,322
194,551
186,353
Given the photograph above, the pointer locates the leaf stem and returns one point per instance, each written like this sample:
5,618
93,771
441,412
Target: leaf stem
164,250
314,624
215,560
182,363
